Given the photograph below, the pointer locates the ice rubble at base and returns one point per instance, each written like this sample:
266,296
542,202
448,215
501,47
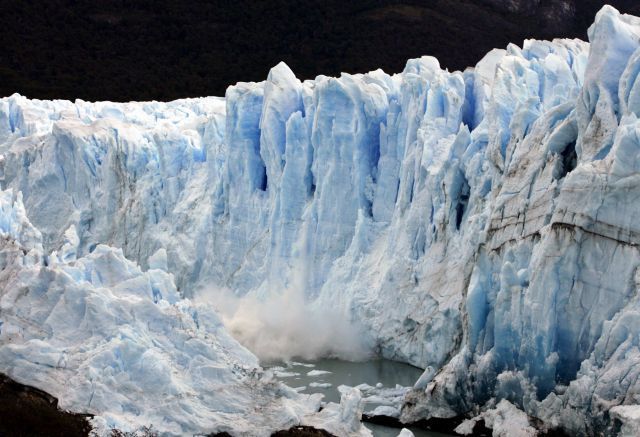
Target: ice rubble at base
342,419
629,417
479,224
505,420
109,339
380,400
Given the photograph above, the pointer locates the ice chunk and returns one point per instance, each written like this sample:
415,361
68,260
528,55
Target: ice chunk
506,420
317,372
159,260
348,414
629,416
614,38
320,385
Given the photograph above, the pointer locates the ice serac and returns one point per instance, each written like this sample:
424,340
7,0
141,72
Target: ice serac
479,224
557,270
613,39
108,339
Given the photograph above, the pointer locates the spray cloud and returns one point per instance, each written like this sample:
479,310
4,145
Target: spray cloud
282,325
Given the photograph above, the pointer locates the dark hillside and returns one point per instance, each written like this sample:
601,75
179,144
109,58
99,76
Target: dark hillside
26,411
160,49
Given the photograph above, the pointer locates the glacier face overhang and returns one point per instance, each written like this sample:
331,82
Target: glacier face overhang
480,224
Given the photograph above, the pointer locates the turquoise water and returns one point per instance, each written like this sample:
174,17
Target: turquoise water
386,372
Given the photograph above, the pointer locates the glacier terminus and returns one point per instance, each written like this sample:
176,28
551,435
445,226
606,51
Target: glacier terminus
482,225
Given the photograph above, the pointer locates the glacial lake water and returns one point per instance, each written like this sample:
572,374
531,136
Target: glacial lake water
380,371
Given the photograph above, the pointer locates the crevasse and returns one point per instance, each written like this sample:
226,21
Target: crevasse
480,224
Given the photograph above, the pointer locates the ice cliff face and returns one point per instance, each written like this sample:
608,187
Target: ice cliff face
111,340
479,224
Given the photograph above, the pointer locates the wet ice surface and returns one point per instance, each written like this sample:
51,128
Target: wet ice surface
326,375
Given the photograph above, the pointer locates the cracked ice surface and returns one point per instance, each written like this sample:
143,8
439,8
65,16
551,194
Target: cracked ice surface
479,224
109,339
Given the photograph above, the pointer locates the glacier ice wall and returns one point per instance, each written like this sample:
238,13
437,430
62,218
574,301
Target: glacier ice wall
111,340
479,224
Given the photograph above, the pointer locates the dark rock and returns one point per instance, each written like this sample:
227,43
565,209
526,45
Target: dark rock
27,411
445,426
302,431
163,49
382,420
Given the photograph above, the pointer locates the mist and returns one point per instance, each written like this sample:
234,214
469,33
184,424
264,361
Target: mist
282,326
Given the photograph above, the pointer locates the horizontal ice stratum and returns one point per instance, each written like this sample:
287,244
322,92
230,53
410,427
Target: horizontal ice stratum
483,225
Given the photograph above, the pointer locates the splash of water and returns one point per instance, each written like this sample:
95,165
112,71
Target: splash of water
283,326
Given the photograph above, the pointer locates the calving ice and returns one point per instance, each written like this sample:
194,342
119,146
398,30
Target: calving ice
479,224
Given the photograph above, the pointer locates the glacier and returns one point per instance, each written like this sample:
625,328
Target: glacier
99,333
122,345
479,224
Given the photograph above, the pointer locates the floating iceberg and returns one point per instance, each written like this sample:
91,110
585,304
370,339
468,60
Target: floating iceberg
478,224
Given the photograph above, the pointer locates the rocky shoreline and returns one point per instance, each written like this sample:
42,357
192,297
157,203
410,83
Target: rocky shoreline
27,411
